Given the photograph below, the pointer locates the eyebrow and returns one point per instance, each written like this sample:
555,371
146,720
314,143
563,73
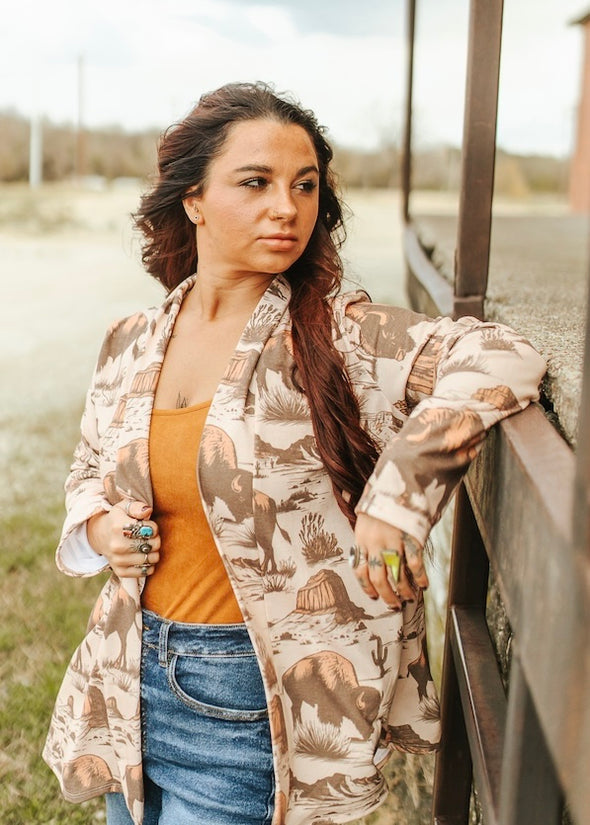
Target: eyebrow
267,170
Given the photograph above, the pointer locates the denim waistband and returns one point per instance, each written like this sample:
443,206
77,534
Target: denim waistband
183,639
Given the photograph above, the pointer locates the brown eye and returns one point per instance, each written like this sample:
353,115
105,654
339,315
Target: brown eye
255,183
306,185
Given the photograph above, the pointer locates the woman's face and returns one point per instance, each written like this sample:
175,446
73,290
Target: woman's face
260,201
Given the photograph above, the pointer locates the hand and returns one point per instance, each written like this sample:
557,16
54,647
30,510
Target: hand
372,537
107,536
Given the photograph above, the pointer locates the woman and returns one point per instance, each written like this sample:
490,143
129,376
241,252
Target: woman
237,668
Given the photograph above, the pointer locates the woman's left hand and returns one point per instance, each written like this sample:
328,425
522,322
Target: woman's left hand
373,536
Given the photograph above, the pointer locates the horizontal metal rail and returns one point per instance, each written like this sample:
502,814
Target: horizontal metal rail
428,291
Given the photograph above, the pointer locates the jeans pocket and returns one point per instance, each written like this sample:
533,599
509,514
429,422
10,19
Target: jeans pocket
223,687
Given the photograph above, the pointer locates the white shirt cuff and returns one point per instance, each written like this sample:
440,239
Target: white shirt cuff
77,554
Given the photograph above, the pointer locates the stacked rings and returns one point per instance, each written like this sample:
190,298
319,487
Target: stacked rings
139,530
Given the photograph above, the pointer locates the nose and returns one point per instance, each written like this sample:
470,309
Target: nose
283,206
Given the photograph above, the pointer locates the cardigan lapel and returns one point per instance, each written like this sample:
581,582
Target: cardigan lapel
227,450
237,379
132,419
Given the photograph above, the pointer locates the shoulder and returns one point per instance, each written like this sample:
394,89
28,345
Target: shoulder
126,334
356,314
123,335
358,307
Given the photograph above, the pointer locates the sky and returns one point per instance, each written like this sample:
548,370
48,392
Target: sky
144,63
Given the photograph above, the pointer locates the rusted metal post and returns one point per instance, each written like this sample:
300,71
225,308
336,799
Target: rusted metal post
530,791
407,145
577,691
478,157
582,482
467,587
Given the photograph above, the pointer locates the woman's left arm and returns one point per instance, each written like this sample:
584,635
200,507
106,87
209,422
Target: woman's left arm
464,376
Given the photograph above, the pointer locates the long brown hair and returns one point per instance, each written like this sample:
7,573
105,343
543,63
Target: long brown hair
169,253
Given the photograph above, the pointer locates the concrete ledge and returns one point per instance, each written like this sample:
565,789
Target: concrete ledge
538,285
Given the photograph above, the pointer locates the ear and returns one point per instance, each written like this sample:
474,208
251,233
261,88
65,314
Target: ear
191,207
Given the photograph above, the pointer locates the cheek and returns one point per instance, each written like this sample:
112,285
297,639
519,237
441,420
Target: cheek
228,215
311,218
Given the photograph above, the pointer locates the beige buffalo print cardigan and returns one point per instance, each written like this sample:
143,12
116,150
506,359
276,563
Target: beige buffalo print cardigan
346,678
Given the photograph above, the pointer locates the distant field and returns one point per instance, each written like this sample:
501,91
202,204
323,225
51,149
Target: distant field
69,264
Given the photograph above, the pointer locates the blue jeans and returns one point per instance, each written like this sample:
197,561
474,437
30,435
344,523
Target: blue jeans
207,756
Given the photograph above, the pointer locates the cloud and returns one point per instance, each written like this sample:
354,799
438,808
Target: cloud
340,17
274,22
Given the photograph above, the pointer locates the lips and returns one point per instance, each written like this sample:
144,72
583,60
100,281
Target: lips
280,242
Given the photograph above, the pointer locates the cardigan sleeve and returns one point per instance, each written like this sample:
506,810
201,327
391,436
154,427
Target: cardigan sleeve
85,492
458,379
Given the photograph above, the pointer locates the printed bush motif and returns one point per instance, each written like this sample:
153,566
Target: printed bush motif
318,544
321,740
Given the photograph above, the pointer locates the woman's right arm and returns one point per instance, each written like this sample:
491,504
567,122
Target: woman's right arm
101,543
92,537
85,497
108,534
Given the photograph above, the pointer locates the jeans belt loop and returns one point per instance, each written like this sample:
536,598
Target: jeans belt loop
163,643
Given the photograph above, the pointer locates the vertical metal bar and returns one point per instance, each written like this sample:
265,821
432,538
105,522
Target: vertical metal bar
582,481
530,792
478,157
468,580
407,144
576,694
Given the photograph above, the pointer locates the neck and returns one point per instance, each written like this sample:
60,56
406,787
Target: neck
214,298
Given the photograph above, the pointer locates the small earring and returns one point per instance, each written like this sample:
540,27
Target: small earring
197,217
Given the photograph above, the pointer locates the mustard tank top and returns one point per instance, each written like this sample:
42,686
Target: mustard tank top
190,583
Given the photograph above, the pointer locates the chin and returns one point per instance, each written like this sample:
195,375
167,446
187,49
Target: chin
276,266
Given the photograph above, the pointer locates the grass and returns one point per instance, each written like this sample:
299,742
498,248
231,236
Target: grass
43,618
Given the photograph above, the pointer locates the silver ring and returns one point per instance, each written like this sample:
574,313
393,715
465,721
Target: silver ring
127,506
144,568
143,547
356,557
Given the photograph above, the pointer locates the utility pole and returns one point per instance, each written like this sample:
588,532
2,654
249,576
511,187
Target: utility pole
35,151
80,165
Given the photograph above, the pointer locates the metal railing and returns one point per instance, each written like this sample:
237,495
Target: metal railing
522,514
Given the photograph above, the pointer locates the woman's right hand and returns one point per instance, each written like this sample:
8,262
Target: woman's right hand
108,536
